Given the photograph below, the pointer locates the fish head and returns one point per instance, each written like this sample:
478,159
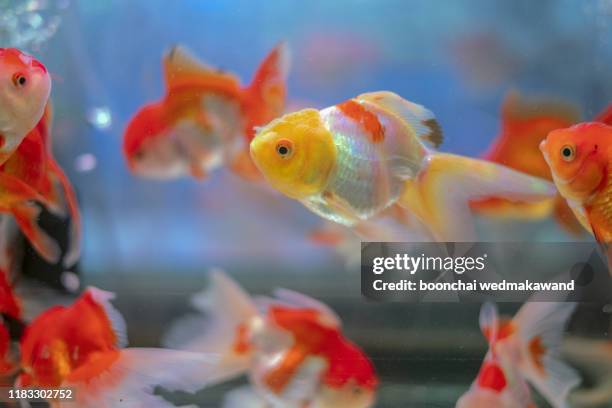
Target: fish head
147,148
295,153
576,157
25,86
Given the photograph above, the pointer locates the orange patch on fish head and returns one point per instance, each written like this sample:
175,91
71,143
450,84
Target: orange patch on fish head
576,159
367,120
148,123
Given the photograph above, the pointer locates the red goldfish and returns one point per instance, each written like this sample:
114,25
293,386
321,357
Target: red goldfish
32,174
291,346
205,119
81,347
580,159
25,86
521,351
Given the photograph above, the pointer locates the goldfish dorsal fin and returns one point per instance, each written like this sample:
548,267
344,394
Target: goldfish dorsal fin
296,299
541,327
102,298
420,119
181,66
516,106
605,116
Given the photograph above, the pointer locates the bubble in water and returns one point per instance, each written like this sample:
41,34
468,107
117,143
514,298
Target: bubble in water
28,24
100,118
85,162
70,281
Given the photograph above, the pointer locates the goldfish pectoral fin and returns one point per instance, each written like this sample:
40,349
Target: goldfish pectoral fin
441,193
73,252
541,326
26,216
14,190
129,376
243,397
420,118
565,217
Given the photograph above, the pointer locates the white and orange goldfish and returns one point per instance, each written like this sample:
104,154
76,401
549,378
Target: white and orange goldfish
350,162
81,347
291,347
205,119
25,86
523,350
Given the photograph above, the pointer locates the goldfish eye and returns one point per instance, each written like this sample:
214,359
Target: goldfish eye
19,80
284,148
568,153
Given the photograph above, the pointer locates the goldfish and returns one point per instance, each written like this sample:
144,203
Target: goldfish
83,347
291,346
205,119
580,160
523,350
32,174
352,161
25,86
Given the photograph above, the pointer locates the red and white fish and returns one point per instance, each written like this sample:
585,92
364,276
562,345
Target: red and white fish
81,347
205,119
291,347
32,174
25,86
524,350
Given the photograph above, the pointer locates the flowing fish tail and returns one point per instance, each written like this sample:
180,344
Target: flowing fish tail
227,309
540,327
441,193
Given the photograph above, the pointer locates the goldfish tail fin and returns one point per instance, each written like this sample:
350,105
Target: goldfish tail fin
441,193
74,246
604,116
226,308
129,377
26,216
266,95
243,397
489,321
540,326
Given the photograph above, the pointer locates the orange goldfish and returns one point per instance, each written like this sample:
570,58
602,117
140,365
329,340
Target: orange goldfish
521,351
524,124
32,173
580,159
206,118
292,348
25,86
351,162
81,347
